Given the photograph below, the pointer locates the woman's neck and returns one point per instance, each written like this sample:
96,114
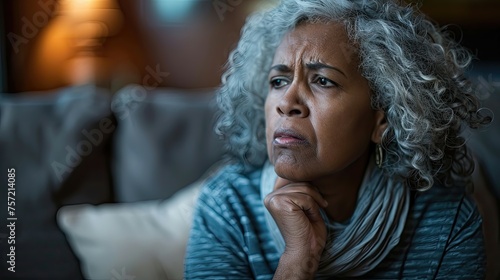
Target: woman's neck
341,189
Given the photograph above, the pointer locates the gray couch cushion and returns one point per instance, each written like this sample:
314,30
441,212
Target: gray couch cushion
164,141
57,142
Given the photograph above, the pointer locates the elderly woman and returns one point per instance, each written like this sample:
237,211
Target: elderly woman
343,119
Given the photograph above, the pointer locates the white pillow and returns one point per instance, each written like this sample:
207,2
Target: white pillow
139,240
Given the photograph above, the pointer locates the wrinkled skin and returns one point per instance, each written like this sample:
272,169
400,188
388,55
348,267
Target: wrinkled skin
319,130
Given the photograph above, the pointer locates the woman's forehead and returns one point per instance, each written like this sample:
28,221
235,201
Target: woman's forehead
318,32
317,42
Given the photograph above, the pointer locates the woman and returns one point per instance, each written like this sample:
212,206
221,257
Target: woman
343,119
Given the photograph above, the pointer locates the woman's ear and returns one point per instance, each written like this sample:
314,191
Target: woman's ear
380,126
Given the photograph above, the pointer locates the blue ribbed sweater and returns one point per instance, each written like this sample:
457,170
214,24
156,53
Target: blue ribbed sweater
442,238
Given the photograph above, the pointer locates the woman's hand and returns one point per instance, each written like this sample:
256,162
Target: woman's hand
296,209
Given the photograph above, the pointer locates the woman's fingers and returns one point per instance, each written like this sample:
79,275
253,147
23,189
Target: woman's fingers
296,208
294,211
285,186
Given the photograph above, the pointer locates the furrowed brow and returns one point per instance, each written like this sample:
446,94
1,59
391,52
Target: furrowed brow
319,65
281,68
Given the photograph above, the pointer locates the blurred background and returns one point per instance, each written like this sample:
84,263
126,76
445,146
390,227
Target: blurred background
111,101
46,44
54,43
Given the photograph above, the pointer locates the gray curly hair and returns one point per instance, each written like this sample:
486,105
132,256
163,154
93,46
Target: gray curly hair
415,70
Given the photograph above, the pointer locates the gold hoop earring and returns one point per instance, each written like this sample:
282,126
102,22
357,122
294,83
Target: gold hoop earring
379,155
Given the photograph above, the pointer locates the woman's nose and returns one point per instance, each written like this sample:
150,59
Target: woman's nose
293,104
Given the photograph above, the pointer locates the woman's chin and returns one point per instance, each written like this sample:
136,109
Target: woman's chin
293,173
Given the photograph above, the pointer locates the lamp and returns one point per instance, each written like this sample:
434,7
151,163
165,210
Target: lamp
92,22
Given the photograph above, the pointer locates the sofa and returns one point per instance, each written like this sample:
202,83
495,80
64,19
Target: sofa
84,146
105,184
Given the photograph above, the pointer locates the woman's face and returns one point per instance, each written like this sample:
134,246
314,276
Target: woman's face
319,120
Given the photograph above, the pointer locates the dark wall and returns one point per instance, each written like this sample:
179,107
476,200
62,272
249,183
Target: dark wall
3,63
474,23
194,53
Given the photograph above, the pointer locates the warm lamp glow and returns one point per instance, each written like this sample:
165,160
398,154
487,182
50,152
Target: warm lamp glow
106,12
91,23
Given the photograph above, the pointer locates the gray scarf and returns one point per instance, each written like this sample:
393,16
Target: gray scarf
358,246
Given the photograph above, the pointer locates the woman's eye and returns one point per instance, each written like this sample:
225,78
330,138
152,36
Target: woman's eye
324,82
278,83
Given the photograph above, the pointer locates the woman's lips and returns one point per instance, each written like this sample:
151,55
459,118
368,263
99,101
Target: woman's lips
286,137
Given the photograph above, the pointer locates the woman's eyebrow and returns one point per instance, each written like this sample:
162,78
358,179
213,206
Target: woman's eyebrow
281,68
312,66
319,65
